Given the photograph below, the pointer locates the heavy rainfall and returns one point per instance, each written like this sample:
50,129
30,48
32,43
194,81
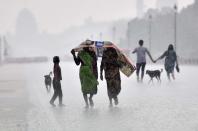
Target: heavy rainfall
126,65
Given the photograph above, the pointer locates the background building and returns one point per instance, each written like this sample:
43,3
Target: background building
140,8
165,3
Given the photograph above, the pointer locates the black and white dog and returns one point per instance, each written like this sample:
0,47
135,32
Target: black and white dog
48,81
154,73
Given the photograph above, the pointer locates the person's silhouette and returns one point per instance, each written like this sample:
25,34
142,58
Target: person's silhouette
141,59
56,82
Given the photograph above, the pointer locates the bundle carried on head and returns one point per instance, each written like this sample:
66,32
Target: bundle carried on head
87,43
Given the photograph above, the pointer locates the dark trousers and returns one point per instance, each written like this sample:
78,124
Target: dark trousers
142,67
57,91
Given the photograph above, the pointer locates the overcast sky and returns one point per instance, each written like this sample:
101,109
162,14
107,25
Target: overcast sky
56,15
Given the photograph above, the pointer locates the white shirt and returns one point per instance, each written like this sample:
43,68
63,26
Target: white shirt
141,54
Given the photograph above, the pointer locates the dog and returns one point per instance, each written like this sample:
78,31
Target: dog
154,73
48,81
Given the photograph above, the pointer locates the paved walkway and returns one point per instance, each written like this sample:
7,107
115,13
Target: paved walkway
13,98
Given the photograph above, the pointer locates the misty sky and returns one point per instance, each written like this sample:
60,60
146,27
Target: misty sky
56,15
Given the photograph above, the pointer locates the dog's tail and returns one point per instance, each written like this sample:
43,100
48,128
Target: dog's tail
161,70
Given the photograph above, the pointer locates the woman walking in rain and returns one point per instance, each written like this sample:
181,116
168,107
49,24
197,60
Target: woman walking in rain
111,66
88,73
170,61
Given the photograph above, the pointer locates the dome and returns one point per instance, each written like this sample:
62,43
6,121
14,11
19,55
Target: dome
26,23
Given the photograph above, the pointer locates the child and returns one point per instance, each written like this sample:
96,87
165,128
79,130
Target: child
56,82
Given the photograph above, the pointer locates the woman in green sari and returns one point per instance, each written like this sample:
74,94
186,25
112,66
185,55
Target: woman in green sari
87,77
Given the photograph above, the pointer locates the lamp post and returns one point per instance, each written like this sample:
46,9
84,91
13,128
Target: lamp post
100,36
114,33
150,33
0,52
92,37
175,29
128,34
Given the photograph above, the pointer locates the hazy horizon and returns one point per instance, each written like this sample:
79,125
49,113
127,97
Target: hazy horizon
55,16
